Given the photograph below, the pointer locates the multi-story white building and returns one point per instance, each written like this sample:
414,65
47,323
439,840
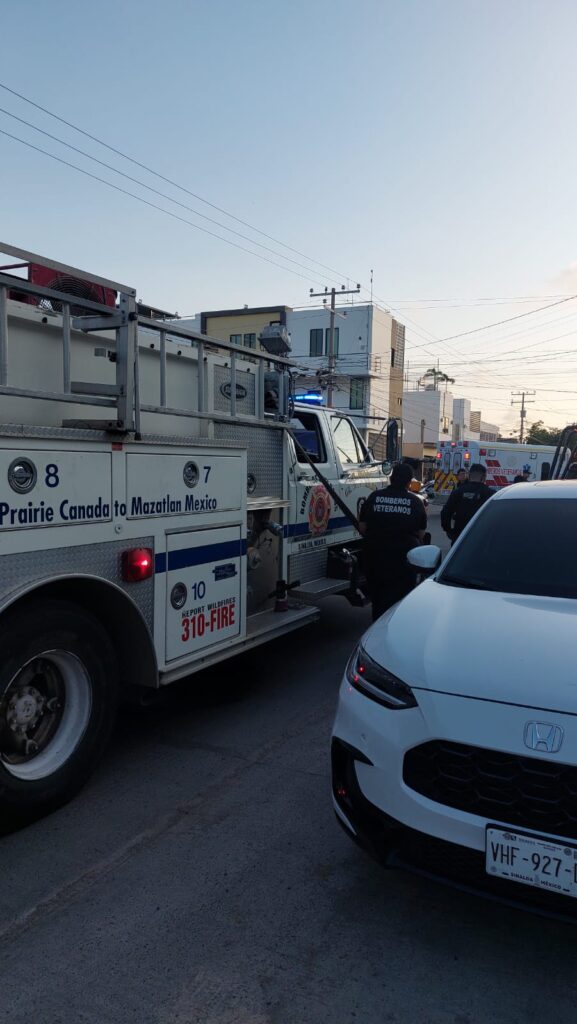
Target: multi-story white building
427,418
462,426
433,415
369,353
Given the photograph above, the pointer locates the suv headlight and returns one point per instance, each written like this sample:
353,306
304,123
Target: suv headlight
375,682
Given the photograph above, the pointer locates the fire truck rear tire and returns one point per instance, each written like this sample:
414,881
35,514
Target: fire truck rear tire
58,700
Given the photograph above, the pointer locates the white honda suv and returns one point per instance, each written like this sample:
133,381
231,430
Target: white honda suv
454,750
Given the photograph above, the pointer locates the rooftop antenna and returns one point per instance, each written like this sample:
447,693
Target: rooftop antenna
371,285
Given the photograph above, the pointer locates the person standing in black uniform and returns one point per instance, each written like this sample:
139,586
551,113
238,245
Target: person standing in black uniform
464,501
392,521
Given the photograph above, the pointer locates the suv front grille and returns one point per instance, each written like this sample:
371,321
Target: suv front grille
526,792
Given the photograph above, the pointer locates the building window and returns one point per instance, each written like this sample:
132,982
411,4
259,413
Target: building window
316,342
392,357
250,340
328,340
357,399
235,339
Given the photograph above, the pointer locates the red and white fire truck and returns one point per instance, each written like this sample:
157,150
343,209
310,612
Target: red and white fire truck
503,461
205,514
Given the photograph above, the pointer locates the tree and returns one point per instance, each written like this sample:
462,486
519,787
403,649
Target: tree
438,377
538,433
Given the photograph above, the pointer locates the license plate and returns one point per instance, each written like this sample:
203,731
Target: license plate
531,860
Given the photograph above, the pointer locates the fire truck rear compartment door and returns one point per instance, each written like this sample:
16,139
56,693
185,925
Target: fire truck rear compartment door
203,570
41,487
197,483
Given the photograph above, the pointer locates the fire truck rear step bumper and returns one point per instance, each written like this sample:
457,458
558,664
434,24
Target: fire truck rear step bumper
261,627
315,589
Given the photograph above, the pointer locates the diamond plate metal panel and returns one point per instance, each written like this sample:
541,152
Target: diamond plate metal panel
52,433
308,565
245,391
102,560
265,455
77,434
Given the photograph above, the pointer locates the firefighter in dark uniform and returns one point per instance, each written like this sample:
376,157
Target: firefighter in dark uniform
464,501
392,521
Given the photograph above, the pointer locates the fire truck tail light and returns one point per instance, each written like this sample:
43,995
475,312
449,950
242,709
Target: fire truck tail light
137,564
439,455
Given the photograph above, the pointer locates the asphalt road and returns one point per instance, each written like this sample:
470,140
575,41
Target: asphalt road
201,877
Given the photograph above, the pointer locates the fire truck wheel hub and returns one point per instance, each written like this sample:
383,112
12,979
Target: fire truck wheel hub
44,714
24,709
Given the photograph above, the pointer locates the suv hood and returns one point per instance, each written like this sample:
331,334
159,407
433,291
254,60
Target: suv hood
506,647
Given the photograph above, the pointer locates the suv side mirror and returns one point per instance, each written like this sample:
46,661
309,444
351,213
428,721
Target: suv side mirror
425,558
386,468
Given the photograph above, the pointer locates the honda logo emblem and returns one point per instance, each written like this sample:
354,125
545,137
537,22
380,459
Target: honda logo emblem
543,736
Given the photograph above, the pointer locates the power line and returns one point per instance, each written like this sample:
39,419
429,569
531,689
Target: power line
150,170
169,181
453,351
524,331
449,349
157,192
522,412
512,358
154,206
489,300
490,382
226,213
498,323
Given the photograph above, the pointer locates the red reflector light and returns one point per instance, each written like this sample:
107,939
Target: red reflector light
137,564
482,451
453,444
465,444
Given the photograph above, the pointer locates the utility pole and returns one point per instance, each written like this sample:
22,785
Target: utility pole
520,400
331,352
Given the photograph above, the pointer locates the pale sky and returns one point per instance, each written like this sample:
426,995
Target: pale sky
430,140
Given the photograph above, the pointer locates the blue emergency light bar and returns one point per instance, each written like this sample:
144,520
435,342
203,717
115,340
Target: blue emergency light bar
312,397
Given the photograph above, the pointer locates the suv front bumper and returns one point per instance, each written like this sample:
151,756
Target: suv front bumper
395,845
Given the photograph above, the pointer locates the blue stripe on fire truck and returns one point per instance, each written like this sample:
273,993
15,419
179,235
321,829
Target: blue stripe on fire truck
186,557
301,529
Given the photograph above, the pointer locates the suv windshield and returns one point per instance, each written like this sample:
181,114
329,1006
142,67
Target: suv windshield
519,547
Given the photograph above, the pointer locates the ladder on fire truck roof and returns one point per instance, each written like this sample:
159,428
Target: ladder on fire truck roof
125,318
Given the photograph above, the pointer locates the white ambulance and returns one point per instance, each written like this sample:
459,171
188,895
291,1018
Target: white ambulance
164,505
503,461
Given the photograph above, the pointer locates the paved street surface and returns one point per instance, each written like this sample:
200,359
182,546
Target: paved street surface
201,877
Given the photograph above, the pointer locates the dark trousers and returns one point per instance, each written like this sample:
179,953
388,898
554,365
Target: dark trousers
386,590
